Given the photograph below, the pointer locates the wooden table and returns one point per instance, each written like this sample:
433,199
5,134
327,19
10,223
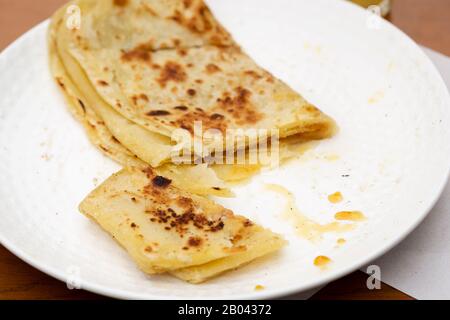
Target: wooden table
426,21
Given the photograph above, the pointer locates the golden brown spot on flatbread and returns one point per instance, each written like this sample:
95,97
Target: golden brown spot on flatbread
182,108
195,241
191,92
102,83
176,42
136,98
172,71
214,121
120,3
142,52
239,106
212,68
148,249
187,3
253,74
143,97
182,52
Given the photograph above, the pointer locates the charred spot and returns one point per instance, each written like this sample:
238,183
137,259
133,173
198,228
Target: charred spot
219,226
61,83
133,199
248,223
195,241
102,83
191,92
199,81
212,68
120,3
81,103
158,113
104,148
217,116
171,71
182,108
161,182
217,188
133,225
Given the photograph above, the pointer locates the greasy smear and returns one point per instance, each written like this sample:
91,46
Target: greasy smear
322,261
306,227
350,216
335,197
341,241
259,287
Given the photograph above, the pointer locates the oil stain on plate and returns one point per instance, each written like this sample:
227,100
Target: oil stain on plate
306,227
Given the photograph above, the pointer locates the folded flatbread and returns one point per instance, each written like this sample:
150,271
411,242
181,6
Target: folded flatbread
158,66
165,229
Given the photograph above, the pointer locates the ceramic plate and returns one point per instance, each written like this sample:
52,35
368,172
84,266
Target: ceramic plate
390,159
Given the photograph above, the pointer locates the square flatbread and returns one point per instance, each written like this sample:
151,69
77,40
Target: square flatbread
165,229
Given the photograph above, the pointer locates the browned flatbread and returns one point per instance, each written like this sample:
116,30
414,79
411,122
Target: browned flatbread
165,229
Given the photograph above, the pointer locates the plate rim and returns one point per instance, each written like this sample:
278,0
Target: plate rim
268,293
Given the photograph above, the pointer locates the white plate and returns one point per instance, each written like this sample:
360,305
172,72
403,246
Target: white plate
388,99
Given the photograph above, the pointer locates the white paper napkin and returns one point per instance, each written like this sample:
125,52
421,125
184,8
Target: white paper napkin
420,265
